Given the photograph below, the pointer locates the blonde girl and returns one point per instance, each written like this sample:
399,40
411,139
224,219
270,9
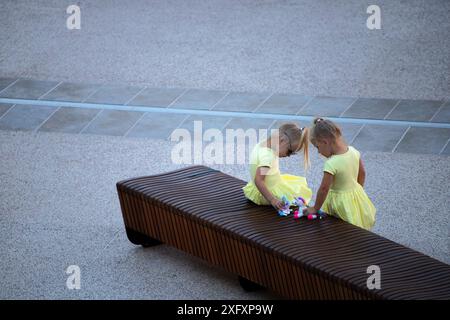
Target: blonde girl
341,191
268,185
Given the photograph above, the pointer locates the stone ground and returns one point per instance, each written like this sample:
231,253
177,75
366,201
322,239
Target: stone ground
60,207
307,47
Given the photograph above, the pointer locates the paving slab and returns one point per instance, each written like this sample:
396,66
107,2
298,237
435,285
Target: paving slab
249,123
5,82
446,149
284,104
370,108
114,94
156,97
4,107
112,122
378,138
25,117
424,140
206,122
415,110
69,120
326,106
156,125
73,92
350,130
251,129
443,115
28,89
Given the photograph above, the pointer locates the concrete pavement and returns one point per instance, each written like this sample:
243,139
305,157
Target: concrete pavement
305,47
60,207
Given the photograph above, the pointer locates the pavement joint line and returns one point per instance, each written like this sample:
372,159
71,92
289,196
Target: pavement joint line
43,95
238,114
351,104
226,123
220,100
437,111
179,125
445,145
176,99
129,100
392,110
132,127
11,84
264,101
39,126
400,140
92,93
7,111
305,104
356,134
271,125
89,123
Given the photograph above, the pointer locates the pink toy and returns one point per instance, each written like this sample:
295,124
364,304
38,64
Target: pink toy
298,214
319,215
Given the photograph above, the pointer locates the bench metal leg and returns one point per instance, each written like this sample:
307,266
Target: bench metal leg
248,285
141,239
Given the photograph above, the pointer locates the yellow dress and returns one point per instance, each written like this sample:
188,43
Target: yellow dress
279,184
347,199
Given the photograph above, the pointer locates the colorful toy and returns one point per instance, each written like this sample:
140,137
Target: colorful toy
286,208
299,202
319,215
298,213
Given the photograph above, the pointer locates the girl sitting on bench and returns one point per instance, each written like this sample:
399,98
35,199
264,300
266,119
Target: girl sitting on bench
341,192
268,185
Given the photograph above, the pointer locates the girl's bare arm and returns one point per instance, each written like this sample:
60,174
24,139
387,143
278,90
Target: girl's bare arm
322,193
261,185
361,173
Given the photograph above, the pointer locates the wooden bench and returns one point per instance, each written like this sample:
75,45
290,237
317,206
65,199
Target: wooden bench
203,211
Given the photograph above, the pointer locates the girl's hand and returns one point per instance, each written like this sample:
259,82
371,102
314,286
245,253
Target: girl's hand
277,204
309,210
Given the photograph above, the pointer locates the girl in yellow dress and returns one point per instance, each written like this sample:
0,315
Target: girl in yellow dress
268,185
341,192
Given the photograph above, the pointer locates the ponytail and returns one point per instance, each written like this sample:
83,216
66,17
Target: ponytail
304,143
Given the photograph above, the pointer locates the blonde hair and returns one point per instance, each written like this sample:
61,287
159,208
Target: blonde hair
324,129
297,135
